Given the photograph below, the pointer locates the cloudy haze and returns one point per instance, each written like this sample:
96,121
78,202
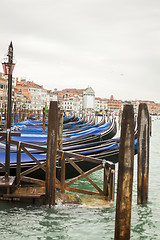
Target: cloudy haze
110,45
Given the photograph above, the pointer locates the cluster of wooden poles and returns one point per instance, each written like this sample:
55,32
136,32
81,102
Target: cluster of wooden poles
19,115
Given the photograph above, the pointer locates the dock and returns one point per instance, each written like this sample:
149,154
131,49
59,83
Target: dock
54,169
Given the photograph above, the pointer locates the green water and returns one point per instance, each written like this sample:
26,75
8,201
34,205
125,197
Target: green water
72,222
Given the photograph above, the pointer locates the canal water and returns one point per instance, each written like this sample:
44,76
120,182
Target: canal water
19,221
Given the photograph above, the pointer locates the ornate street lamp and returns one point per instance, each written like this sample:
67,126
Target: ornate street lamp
7,62
8,66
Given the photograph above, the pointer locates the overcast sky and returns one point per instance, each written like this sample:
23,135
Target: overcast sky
110,45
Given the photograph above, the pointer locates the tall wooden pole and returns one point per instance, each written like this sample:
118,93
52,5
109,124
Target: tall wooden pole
143,154
119,119
51,153
39,114
44,120
125,175
5,113
60,140
15,113
96,117
60,130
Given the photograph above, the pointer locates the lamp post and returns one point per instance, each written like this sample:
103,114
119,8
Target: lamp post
8,67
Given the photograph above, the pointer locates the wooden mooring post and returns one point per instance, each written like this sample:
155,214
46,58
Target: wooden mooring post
60,130
44,119
125,175
96,117
51,153
5,113
39,114
119,119
143,154
108,182
20,114
60,141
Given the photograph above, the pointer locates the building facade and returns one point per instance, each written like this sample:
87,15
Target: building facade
35,94
153,108
114,105
89,99
29,95
4,89
97,104
51,96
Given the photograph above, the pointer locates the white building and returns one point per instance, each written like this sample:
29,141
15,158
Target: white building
97,104
71,103
38,98
77,99
104,104
51,96
89,99
34,93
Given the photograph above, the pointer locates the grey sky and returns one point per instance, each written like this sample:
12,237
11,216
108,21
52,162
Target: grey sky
110,45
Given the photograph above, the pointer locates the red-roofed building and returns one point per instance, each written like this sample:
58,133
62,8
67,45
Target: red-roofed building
77,99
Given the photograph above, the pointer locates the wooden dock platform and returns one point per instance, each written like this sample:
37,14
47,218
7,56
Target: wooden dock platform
36,195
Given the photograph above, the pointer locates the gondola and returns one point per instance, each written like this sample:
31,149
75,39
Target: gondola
106,150
106,131
92,134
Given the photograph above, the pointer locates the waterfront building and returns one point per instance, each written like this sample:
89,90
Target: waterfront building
101,104
21,101
104,104
73,99
4,89
114,105
152,106
71,103
29,95
67,95
51,96
97,104
35,93
89,99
